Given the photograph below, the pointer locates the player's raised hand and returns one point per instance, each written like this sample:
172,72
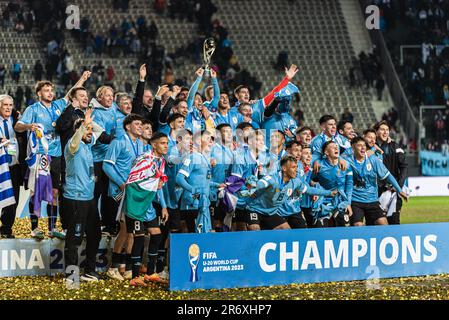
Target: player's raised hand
213,73
176,90
85,76
143,72
162,90
292,71
199,72
88,117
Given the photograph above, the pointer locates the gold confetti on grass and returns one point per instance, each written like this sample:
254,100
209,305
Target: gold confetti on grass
54,288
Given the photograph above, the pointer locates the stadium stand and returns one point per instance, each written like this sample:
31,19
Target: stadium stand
314,34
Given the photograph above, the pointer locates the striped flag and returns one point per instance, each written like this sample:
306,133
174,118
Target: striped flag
39,178
142,185
6,190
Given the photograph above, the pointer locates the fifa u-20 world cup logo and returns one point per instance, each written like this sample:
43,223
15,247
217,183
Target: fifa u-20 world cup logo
194,259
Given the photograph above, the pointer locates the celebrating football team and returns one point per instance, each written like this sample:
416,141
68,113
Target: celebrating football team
186,161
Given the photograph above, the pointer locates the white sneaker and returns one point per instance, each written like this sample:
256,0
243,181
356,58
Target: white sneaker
164,274
128,275
114,274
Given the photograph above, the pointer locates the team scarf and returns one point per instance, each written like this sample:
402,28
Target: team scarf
39,177
142,185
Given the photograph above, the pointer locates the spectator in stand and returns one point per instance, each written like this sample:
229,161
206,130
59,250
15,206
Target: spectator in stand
2,75
380,86
159,6
153,31
440,121
110,74
28,96
6,19
29,23
282,61
124,5
347,116
38,71
16,71
99,45
18,100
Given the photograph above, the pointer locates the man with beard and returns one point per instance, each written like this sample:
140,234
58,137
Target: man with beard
46,112
82,213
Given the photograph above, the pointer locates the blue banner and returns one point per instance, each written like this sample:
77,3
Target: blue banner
434,163
263,258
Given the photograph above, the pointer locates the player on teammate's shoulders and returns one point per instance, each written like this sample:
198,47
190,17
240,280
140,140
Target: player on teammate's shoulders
242,95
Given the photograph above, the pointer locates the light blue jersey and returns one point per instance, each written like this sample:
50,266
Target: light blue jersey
195,121
365,179
232,118
245,165
258,112
279,121
80,177
306,200
172,191
275,162
164,128
38,113
224,157
195,178
272,192
151,213
104,117
119,160
119,117
212,105
331,177
317,144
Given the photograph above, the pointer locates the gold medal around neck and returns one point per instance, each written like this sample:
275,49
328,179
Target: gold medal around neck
53,124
